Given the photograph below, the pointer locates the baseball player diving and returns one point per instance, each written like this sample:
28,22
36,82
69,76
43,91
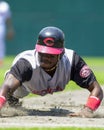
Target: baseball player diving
47,69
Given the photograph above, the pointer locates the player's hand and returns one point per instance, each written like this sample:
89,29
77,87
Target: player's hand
85,113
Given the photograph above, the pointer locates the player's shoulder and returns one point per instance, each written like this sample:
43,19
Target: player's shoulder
68,51
68,55
28,54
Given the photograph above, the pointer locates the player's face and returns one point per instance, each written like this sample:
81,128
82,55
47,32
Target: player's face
47,61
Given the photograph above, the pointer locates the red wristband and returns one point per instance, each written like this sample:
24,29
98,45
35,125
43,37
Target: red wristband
2,101
93,102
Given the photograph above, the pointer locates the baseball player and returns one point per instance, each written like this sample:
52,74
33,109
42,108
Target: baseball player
47,69
6,27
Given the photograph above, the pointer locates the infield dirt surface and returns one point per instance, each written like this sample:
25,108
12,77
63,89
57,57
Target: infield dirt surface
51,111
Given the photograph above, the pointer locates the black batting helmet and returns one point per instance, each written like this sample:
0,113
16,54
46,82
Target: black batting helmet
50,41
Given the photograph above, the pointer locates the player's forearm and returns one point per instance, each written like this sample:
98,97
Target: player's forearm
95,97
4,90
96,90
3,93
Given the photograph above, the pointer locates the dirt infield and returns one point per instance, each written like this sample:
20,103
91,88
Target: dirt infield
51,110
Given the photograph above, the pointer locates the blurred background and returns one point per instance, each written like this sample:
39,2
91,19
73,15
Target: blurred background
81,20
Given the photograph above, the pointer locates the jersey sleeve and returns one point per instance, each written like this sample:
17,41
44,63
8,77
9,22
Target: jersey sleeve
81,73
22,70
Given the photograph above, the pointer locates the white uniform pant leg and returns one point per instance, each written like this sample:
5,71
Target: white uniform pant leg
20,92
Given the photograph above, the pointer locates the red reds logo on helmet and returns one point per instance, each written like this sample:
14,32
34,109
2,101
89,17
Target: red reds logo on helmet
85,71
49,41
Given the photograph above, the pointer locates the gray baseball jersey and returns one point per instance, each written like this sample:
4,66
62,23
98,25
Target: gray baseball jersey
27,70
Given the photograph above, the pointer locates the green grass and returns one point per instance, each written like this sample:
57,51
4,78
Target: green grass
58,128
